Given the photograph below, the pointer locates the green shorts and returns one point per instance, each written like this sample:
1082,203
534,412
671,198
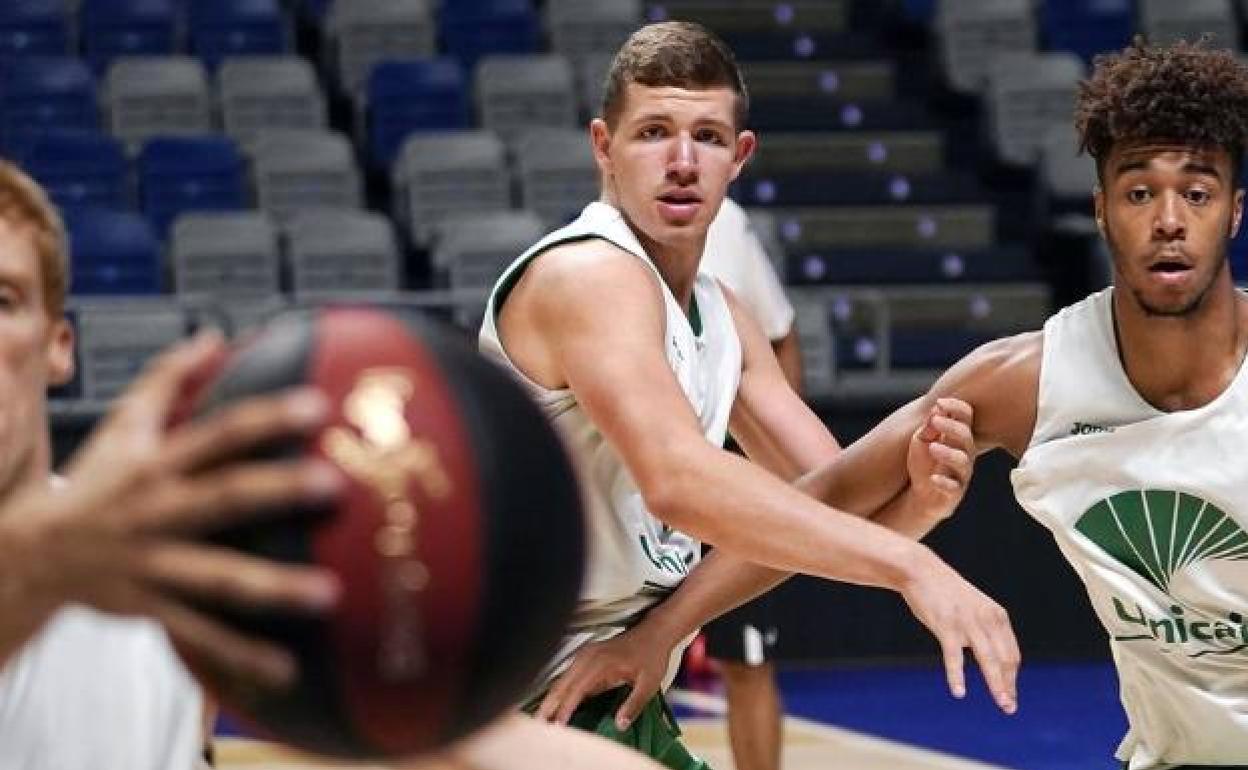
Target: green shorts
654,732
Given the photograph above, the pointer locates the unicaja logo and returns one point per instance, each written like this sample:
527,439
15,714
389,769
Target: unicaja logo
1184,546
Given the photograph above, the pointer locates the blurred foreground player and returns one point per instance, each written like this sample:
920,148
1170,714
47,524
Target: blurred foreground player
78,687
1128,413
645,366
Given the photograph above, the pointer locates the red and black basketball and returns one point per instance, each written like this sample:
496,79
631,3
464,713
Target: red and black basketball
458,541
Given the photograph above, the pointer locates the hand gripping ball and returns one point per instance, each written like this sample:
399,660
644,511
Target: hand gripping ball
458,541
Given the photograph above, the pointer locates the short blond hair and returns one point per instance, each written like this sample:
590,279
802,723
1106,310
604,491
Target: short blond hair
24,203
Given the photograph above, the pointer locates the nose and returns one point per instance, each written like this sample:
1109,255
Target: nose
682,165
1170,220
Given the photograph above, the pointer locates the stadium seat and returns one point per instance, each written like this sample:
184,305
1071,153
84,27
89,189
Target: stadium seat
115,28
1065,181
969,33
519,92
1164,21
221,28
157,95
1027,93
79,168
364,32
805,188
304,168
189,173
410,95
114,252
268,92
557,173
117,338
39,94
471,253
579,29
814,333
814,229
905,152
441,176
342,250
226,255
34,28
471,29
1084,28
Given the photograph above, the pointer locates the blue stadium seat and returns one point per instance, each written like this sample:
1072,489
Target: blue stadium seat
190,173
34,28
38,94
220,28
79,168
405,96
471,29
1086,28
114,252
112,28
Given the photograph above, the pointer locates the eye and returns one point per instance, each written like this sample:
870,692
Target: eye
1197,196
651,132
709,136
1138,195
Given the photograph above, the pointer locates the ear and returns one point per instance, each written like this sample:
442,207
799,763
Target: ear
600,140
1237,211
1098,206
60,352
747,142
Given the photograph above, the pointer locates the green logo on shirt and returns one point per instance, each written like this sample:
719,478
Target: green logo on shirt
1168,538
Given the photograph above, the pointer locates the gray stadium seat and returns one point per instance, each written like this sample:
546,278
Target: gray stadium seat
816,229
1027,93
226,255
363,32
970,33
814,335
157,95
910,152
869,80
473,252
591,75
266,92
444,175
558,176
518,92
342,250
582,28
763,222
304,168
1063,171
116,338
1167,21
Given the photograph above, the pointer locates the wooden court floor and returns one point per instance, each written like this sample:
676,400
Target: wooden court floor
807,746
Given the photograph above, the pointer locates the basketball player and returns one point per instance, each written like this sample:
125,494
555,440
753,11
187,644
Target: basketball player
742,643
643,364
1127,412
80,685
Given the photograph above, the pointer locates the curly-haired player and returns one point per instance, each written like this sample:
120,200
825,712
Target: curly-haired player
1127,413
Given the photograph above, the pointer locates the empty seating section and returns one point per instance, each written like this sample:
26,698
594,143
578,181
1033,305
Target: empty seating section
157,95
520,92
337,250
234,156
304,168
442,176
259,92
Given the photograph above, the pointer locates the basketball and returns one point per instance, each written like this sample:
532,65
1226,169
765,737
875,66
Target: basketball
458,541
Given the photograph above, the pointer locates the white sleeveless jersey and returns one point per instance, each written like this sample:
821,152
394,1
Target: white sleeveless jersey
633,559
1150,508
95,691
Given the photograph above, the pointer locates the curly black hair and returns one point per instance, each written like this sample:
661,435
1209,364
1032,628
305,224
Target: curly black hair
1186,92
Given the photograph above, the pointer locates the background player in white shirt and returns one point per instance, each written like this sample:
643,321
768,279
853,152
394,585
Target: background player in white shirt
742,642
1128,413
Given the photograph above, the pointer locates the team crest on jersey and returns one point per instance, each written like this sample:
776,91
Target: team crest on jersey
1180,544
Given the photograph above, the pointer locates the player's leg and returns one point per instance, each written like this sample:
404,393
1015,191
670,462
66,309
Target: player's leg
742,643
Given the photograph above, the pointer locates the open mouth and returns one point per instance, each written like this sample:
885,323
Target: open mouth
1169,267
680,197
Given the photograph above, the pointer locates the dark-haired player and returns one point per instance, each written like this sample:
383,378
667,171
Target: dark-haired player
1128,413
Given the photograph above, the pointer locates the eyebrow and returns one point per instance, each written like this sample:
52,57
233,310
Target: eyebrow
661,117
1190,167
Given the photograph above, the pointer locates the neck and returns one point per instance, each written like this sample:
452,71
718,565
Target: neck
677,262
1183,362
